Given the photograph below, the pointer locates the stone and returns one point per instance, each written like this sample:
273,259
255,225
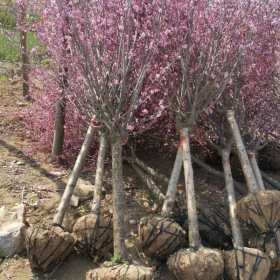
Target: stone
11,228
74,202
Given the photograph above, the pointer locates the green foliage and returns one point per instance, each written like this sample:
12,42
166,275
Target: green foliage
3,77
117,259
7,19
9,48
9,39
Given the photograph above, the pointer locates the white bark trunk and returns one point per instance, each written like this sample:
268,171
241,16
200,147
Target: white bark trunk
99,173
170,196
256,170
235,226
194,238
242,154
119,204
72,181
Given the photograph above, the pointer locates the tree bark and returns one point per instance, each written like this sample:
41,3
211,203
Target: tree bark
58,139
99,173
256,170
118,197
242,154
25,62
235,226
64,202
170,196
194,238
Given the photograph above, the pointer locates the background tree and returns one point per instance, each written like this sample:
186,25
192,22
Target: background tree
22,22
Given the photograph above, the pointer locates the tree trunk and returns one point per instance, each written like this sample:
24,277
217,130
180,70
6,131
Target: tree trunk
99,173
58,139
25,63
194,238
170,197
242,154
72,181
119,204
274,183
237,236
256,170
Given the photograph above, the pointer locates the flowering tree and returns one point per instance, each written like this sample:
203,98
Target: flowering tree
111,49
253,88
206,58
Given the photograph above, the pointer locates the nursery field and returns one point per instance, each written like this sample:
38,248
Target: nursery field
31,178
139,140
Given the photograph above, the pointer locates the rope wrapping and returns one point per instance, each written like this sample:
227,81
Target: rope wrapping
122,272
94,235
48,246
198,264
160,237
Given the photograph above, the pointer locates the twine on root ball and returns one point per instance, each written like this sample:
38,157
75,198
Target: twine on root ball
121,271
260,210
196,264
246,264
268,243
94,234
48,246
160,237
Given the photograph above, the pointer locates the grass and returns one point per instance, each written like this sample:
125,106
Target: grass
9,45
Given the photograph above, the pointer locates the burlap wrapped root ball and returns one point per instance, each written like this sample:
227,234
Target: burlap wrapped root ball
48,246
160,237
253,264
200,265
122,272
268,243
94,235
260,210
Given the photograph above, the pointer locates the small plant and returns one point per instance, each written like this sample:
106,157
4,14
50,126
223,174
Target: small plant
117,259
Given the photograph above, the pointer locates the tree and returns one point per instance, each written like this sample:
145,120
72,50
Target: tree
110,58
22,10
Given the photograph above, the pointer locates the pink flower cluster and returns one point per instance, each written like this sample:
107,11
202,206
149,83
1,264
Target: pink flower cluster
192,54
